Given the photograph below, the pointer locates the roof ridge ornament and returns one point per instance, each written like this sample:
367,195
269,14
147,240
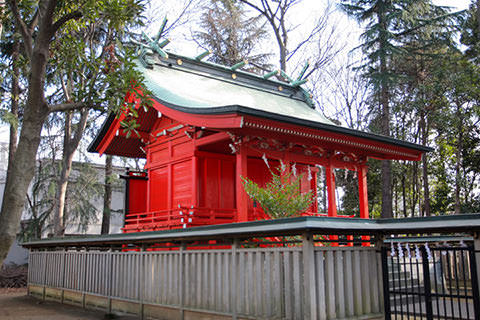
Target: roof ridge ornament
302,72
161,29
154,45
286,76
239,65
203,55
270,74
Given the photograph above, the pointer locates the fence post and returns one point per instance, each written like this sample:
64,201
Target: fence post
64,272
475,271
233,290
309,276
84,288
181,278
386,288
379,241
45,253
141,281
110,280
426,283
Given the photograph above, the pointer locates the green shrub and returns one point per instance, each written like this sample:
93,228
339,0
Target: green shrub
281,197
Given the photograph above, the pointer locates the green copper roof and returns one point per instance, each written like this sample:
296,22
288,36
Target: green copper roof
202,87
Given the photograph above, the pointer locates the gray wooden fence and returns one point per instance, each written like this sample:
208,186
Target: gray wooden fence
265,283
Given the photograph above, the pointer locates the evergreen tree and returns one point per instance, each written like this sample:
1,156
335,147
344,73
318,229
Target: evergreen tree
232,36
387,23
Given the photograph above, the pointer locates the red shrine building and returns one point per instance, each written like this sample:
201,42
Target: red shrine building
210,125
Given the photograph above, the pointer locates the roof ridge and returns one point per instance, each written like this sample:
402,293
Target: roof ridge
156,47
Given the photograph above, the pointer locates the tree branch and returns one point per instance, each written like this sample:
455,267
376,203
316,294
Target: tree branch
33,23
248,3
67,106
64,89
80,128
24,31
64,19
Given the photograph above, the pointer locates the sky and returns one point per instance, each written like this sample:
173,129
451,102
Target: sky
303,16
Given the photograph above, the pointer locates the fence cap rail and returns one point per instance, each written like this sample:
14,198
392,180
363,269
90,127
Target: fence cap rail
465,223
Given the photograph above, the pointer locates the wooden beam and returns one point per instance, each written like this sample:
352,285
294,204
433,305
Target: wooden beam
216,137
141,135
229,120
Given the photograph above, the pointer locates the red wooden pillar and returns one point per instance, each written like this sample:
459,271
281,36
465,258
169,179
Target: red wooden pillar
363,196
330,177
242,197
332,203
363,191
195,178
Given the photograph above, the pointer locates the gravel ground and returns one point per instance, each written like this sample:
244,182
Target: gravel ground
16,305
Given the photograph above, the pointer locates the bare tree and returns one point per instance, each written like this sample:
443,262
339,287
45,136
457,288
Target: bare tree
347,100
322,34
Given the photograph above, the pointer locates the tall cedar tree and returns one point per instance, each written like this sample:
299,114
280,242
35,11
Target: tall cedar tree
231,36
418,94
52,22
386,23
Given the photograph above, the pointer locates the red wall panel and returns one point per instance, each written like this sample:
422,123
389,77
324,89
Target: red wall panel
182,183
216,182
158,188
227,183
137,195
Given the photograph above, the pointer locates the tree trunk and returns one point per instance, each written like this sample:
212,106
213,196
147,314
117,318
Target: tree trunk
477,12
62,184
387,211
404,197
2,9
426,191
458,162
70,145
21,174
414,187
283,56
23,168
15,91
107,199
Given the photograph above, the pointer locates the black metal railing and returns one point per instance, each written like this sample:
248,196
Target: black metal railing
430,282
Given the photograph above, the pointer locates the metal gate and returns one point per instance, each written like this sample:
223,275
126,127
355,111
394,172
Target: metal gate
430,281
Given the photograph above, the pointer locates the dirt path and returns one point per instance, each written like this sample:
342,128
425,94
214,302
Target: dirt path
16,305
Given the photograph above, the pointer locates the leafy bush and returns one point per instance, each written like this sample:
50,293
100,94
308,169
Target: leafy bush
281,197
